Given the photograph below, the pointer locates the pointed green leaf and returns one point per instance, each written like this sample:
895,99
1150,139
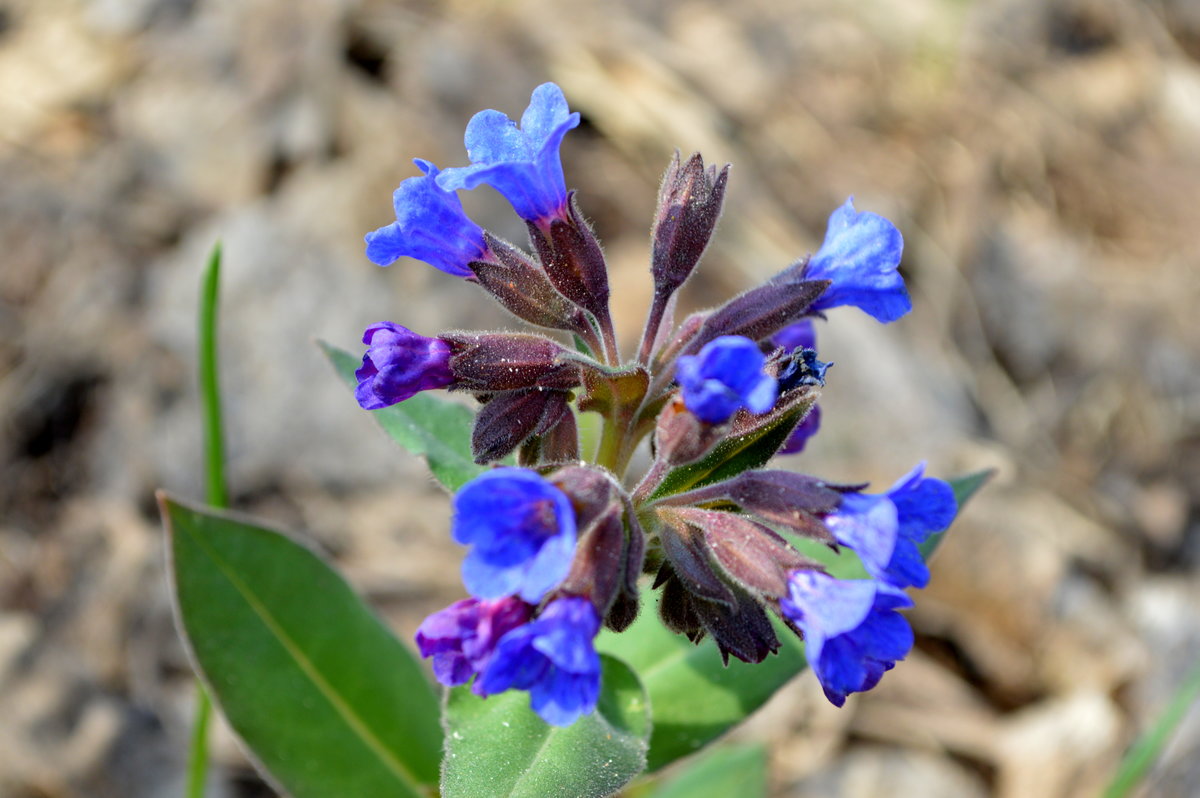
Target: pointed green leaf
732,456
426,425
498,747
739,770
326,698
694,697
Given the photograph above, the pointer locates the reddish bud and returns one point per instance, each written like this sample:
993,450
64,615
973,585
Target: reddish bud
689,205
493,362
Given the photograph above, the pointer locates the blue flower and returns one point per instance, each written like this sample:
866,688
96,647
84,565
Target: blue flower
554,658
522,529
727,374
430,226
886,529
521,163
462,637
801,335
860,256
398,364
852,631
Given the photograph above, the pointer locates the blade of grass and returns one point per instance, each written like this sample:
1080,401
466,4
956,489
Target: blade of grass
1146,751
216,491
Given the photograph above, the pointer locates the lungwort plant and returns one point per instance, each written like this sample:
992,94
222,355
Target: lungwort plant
616,618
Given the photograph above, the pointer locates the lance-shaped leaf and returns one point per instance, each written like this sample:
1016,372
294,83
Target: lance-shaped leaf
426,425
525,290
328,701
751,443
497,747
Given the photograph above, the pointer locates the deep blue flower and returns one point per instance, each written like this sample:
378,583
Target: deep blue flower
521,163
554,658
727,374
886,529
853,633
522,532
801,335
430,226
860,256
799,436
398,364
462,637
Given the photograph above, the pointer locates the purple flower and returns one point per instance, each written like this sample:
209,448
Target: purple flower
399,364
807,428
727,374
462,637
430,226
521,163
522,530
852,631
554,658
860,255
886,529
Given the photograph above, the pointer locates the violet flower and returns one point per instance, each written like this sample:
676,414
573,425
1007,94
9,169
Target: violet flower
399,364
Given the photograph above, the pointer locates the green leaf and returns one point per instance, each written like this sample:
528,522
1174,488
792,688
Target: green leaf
328,700
739,770
694,697
732,456
428,426
497,747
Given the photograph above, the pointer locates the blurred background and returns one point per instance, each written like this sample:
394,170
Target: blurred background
1041,158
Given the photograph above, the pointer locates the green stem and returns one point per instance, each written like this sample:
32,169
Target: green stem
216,491
608,453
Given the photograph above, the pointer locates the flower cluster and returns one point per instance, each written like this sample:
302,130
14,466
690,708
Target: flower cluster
557,544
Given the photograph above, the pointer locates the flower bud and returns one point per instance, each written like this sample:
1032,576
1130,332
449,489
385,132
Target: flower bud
689,205
508,419
681,438
608,558
524,289
760,312
785,499
747,552
573,260
493,362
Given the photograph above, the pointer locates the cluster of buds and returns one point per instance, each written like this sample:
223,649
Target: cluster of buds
558,544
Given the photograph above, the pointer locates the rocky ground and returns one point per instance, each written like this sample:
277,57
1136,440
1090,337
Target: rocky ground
1042,159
